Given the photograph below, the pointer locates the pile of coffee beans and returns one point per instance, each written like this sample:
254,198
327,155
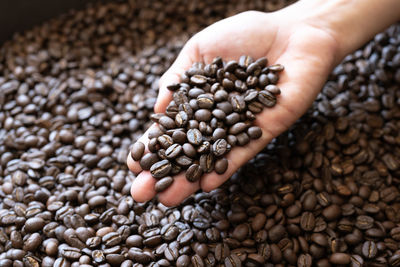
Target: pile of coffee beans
76,91
212,110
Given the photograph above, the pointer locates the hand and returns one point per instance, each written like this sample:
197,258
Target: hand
308,54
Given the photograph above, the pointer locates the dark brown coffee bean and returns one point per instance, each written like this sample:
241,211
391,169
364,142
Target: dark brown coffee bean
183,261
179,137
181,119
221,251
220,147
364,222
160,169
32,242
340,258
369,249
332,212
221,165
163,184
273,89
307,221
137,150
203,115
238,103
197,261
183,161
165,141
266,98
167,122
205,101
34,225
173,151
194,136
233,261
276,233
194,172
254,132
206,162
242,139
148,160
304,260
198,80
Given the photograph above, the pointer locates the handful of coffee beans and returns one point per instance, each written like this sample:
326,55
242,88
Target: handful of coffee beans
212,110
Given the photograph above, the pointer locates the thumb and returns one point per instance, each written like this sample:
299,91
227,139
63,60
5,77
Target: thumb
184,61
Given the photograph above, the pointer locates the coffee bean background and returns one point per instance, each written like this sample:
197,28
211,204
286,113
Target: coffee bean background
77,91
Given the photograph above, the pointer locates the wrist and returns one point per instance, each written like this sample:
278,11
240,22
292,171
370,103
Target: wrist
351,23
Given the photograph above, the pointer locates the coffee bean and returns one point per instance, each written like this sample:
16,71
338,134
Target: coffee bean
206,162
184,161
307,221
173,151
332,212
194,136
148,160
238,103
339,258
221,165
220,147
266,98
203,115
160,169
179,137
34,225
163,184
165,141
137,150
364,222
233,261
254,132
304,260
276,233
194,172
369,249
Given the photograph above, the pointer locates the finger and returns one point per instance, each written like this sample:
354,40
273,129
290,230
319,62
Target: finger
184,61
180,189
142,188
133,165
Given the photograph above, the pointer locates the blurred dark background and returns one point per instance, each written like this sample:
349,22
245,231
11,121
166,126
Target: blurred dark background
18,15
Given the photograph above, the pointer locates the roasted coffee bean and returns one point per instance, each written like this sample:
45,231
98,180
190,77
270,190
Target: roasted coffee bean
307,221
254,132
148,160
163,184
340,258
173,151
364,222
202,115
137,150
369,249
221,165
266,98
34,225
184,161
160,169
181,119
194,136
194,172
233,261
206,162
220,147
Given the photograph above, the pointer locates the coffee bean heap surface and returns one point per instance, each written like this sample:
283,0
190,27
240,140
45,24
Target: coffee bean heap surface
77,90
212,111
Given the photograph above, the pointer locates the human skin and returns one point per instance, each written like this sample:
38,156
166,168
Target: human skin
309,38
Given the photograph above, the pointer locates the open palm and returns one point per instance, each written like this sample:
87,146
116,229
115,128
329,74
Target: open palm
306,51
